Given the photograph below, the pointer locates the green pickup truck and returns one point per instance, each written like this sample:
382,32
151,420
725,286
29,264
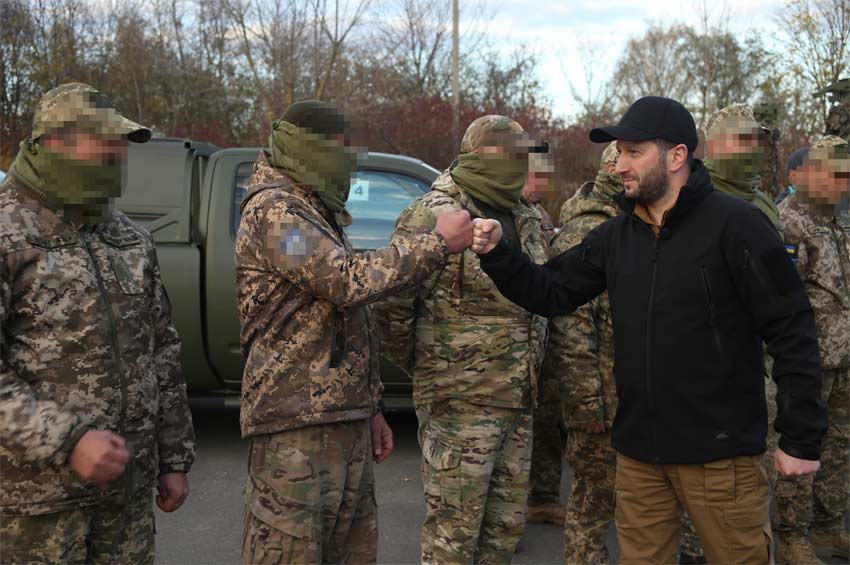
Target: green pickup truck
187,195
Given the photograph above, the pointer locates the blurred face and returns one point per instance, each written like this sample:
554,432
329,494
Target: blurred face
733,143
643,168
537,186
82,146
821,184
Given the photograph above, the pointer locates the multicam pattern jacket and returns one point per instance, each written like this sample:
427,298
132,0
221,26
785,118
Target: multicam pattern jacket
581,344
455,334
303,295
820,246
86,342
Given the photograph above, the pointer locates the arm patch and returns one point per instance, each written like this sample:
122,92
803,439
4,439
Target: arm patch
781,269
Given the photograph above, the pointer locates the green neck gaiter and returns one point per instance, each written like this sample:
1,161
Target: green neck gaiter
608,185
312,159
735,176
496,180
65,182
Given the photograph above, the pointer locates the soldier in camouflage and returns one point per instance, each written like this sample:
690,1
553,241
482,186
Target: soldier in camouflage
473,357
580,358
547,453
817,234
94,410
838,117
311,388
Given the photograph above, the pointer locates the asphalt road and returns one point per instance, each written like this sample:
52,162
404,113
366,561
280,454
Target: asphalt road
208,528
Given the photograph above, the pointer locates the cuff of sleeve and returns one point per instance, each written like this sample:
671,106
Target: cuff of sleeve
587,411
442,241
502,250
808,452
60,458
174,468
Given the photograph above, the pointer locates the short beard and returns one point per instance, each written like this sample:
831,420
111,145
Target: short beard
654,185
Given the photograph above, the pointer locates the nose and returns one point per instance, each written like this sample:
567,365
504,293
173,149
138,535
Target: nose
620,166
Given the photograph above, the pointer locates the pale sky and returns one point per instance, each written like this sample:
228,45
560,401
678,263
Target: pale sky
555,29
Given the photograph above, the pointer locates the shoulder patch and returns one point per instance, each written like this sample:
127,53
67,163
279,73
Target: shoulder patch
792,252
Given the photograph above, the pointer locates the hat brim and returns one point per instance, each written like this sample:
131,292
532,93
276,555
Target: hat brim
135,132
614,133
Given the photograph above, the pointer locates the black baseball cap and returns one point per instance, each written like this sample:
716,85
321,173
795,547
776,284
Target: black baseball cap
652,117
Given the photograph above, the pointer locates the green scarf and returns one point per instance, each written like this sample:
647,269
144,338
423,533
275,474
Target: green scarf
312,159
494,179
62,181
608,185
735,176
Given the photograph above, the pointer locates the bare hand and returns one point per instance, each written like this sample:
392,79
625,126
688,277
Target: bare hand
172,490
456,229
99,457
592,427
382,438
485,235
789,466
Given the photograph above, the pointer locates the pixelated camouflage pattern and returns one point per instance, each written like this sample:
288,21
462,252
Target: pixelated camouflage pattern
109,533
547,226
481,130
821,247
84,107
590,509
455,334
610,156
547,453
302,293
310,496
581,344
475,467
735,118
86,342
689,543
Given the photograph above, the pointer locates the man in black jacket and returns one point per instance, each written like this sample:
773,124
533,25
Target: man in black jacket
696,279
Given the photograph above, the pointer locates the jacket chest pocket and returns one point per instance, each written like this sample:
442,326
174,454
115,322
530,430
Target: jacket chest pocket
129,263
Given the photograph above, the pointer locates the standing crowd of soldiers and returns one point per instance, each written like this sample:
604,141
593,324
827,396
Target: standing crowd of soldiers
631,344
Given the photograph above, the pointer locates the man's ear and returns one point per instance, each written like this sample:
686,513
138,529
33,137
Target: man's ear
677,157
792,177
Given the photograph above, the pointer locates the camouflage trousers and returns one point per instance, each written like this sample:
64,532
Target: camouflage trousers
547,454
106,533
590,509
310,496
819,499
475,466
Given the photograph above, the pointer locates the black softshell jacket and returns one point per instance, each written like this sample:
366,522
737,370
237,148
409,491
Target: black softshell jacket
690,309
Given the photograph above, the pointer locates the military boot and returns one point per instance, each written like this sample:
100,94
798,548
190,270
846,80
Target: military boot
550,512
830,542
796,550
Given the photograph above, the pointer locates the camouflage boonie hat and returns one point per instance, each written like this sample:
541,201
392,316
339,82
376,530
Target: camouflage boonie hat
734,118
482,129
610,155
80,104
832,150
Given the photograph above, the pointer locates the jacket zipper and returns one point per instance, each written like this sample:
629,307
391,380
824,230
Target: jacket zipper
116,355
712,312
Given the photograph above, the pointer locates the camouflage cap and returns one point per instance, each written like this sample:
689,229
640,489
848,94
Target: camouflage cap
81,105
482,130
831,150
733,119
610,155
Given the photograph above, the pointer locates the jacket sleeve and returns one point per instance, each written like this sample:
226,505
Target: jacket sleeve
35,429
175,433
573,353
396,314
305,253
769,285
557,287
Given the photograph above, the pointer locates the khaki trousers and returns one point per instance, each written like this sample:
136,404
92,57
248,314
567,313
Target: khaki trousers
726,499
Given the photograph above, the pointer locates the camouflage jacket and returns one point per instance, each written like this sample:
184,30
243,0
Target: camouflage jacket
821,248
307,334
547,226
455,334
86,342
581,344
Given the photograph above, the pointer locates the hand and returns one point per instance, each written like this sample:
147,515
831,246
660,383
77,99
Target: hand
382,438
485,235
456,229
592,427
99,457
789,466
172,490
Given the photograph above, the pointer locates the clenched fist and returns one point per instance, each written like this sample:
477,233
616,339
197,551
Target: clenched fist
485,235
99,457
456,229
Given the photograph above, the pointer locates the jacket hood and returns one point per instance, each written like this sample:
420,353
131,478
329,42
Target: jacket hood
587,201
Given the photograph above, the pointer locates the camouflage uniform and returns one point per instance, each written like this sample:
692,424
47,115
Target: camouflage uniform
311,378
820,244
474,358
581,356
86,342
